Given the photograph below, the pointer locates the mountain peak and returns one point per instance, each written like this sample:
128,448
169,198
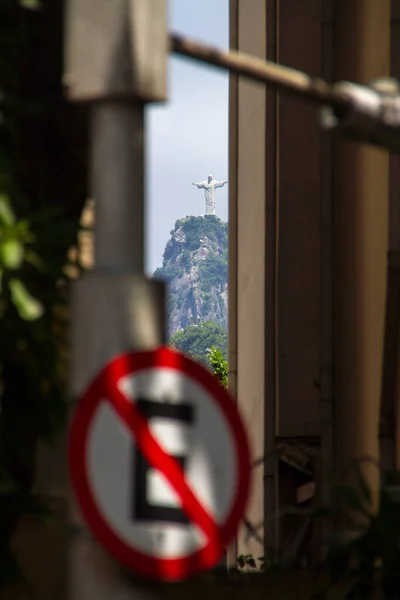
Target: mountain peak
195,265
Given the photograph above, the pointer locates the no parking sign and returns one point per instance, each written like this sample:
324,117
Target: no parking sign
160,463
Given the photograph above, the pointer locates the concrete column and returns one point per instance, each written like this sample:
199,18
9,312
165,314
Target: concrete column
114,309
117,180
393,401
232,224
362,35
247,242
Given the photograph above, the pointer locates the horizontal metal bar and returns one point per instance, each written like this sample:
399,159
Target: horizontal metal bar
369,114
282,78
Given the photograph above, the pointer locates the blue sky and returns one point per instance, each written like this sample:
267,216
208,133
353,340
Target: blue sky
187,136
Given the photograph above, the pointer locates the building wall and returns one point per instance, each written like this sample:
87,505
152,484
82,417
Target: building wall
299,226
275,145
289,324
247,248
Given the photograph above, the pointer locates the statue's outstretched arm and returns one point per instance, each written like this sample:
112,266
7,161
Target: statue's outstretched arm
219,184
199,185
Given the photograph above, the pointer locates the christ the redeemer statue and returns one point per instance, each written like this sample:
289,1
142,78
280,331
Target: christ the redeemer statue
209,187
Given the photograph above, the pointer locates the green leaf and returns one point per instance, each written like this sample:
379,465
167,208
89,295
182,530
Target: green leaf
11,253
34,259
6,214
28,308
22,230
218,365
30,4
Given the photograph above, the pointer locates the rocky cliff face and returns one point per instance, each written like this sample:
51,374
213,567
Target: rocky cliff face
196,269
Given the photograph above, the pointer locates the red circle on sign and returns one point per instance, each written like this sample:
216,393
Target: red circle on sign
219,536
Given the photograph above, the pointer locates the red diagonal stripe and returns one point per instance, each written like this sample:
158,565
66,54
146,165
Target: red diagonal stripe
165,463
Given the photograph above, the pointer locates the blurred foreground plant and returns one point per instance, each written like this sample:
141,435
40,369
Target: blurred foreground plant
32,356
366,551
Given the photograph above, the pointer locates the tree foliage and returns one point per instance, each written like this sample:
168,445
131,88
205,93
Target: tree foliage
196,340
213,272
32,340
196,228
42,192
219,365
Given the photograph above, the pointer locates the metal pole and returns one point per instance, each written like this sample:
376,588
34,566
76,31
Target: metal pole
117,155
368,114
114,308
289,80
116,57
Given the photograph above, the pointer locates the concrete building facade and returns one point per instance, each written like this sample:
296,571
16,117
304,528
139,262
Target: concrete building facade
308,264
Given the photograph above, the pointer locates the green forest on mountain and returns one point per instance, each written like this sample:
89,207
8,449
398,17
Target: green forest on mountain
195,340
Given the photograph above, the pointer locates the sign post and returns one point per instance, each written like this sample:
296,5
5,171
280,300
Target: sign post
160,463
115,62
